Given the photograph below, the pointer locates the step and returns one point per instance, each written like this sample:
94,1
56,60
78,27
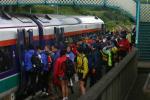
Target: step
144,39
142,45
143,64
142,54
144,58
144,31
142,50
143,26
144,34
144,23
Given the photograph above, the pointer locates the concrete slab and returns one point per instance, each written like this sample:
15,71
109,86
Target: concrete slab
143,64
137,92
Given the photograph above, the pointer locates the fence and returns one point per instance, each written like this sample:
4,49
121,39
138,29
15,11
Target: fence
129,6
145,13
117,83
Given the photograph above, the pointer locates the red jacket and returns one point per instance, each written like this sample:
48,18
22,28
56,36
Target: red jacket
58,71
124,45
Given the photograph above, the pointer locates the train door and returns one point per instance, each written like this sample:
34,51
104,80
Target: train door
59,36
24,39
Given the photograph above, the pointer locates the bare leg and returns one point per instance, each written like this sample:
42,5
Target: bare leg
63,88
82,87
66,89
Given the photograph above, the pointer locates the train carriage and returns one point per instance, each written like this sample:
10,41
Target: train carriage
9,53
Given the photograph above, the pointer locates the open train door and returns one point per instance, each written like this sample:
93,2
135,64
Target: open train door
24,39
59,36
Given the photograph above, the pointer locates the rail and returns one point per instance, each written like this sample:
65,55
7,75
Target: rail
117,83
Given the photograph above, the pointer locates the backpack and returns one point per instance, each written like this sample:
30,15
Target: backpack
68,67
104,56
36,62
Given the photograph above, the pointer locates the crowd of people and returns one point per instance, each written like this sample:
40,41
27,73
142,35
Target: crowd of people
54,70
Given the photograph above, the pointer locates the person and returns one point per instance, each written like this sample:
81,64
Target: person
82,69
31,75
70,67
124,47
45,69
55,54
90,65
37,68
97,64
59,74
48,53
70,54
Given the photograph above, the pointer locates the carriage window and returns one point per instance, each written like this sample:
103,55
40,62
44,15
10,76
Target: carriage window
24,20
6,59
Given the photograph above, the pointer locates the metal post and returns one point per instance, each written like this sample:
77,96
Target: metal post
30,10
57,8
137,21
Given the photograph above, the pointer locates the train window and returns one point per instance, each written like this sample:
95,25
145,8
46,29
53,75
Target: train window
69,21
24,20
6,59
44,20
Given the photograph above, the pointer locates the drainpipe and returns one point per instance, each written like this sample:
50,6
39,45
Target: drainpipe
137,21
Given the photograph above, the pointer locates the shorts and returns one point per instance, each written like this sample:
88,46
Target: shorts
80,76
122,53
62,78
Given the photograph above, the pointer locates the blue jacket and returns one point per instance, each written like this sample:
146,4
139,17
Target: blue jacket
71,56
55,55
44,61
27,60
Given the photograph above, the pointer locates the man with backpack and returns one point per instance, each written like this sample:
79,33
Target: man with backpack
28,66
82,69
70,67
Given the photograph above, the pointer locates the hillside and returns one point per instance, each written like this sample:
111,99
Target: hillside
113,19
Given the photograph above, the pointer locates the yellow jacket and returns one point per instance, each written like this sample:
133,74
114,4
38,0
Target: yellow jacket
82,64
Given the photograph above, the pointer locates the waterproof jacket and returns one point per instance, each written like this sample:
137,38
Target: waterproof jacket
71,56
109,56
82,64
124,45
27,60
58,70
44,60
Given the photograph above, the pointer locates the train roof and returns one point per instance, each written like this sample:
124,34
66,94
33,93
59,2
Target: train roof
81,19
12,21
58,20
17,20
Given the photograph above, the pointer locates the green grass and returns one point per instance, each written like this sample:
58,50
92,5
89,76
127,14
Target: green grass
113,19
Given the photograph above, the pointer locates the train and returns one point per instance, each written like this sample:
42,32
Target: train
19,30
